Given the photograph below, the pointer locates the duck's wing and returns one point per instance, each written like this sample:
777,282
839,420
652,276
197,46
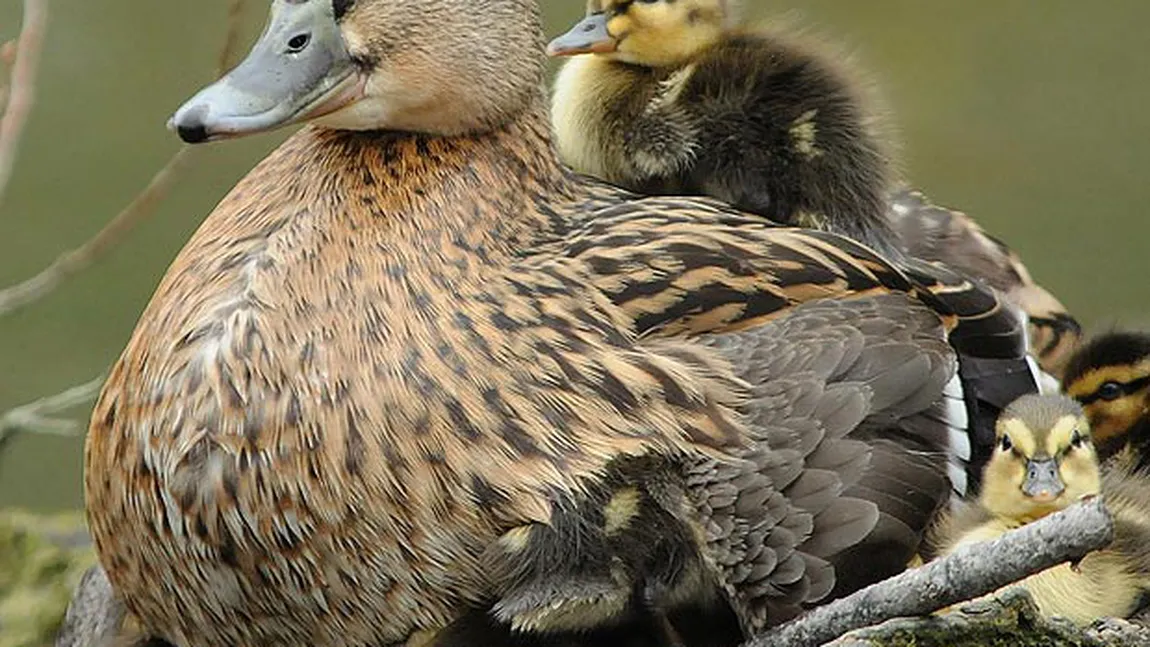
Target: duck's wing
854,389
936,233
688,266
849,435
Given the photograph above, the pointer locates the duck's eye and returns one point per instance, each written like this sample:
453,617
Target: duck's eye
1110,391
298,42
1076,439
1005,443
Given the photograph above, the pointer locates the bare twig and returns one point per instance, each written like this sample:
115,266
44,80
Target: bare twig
23,86
969,572
40,415
231,36
76,260
71,262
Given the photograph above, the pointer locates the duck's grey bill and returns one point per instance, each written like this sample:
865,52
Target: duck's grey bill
298,69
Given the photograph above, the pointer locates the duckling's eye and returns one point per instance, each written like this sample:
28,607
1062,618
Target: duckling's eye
1076,439
1005,443
648,1
298,42
1110,391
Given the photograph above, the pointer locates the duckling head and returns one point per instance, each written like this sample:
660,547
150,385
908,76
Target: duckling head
443,67
1110,377
1044,459
650,33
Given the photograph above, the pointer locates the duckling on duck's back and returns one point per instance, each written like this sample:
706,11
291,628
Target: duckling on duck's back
674,99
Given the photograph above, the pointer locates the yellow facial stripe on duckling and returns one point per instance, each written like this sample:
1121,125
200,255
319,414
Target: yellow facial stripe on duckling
1092,382
620,510
1114,397
1064,435
1020,437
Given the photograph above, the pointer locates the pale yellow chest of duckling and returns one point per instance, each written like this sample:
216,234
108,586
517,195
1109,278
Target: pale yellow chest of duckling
1103,584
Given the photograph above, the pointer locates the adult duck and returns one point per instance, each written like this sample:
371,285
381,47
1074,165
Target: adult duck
411,367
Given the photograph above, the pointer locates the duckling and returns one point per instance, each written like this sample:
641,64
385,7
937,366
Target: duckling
678,99
1044,462
1110,378
409,342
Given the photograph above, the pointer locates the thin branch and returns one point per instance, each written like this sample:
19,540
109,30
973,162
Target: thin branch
970,572
22,91
74,261
71,262
40,416
231,36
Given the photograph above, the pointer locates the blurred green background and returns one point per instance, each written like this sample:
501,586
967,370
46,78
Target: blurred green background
1031,116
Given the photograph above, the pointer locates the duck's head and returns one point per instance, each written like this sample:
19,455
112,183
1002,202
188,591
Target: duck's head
444,67
1044,459
651,33
1110,377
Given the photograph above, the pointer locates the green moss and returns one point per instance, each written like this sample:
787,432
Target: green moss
41,561
1009,621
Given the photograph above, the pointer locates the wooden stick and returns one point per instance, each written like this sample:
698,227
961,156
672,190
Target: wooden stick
22,92
971,571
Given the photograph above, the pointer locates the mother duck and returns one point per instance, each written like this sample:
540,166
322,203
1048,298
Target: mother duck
411,367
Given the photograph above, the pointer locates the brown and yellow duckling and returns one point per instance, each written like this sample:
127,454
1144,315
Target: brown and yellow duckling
1044,462
401,374
1110,377
679,99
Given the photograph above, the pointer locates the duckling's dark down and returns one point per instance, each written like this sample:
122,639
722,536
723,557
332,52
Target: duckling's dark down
680,104
1110,377
417,372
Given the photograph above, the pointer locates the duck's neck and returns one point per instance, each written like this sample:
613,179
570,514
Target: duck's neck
445,202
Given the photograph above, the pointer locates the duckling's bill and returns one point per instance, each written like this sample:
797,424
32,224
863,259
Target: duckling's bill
298,70
588,36
1043,483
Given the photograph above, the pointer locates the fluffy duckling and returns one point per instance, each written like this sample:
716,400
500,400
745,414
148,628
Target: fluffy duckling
676,99
1044,462
1110,378
409,335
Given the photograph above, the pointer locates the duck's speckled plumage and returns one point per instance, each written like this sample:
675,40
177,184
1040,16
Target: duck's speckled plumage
436,375
383,355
